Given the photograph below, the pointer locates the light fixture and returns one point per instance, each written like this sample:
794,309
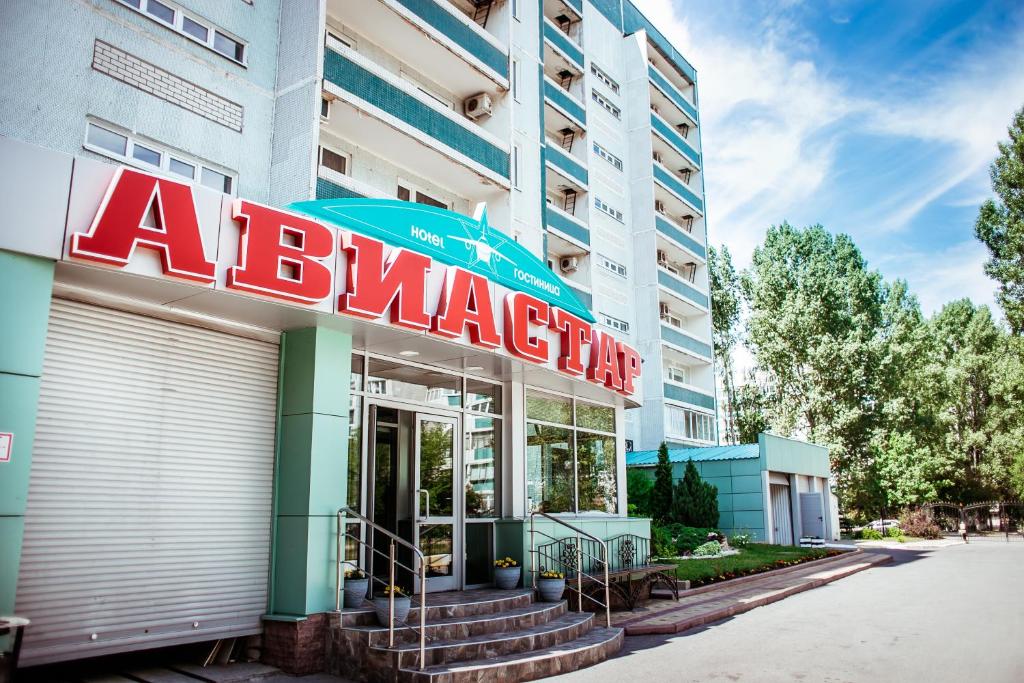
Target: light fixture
408,354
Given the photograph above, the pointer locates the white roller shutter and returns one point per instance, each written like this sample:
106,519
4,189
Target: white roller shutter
149,507
782,516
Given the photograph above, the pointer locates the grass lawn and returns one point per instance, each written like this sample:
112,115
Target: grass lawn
753,559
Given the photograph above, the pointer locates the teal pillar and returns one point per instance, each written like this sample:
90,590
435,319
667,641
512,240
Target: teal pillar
312,466
26,284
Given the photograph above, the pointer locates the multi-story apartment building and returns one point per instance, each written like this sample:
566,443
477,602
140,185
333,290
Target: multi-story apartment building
574,121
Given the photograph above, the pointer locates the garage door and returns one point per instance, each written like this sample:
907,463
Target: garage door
149,506
782,517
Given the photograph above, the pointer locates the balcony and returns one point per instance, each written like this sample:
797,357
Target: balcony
674,184
682,290
677,337
667,133
672,92
565,103
689,395
569,226
566,165
584,294
392,119
563,43
669,229
434,35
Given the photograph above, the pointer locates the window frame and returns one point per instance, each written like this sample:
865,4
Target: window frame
333,150
177,24
607,209
603,76
605,103
612,266
600,151
613,323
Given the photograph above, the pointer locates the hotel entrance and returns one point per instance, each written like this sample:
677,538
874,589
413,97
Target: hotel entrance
430,461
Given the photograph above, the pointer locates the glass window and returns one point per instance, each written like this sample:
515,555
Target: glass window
483,397
355,459
146,155
160,11
596,472
413,384
216,180
333,160
601,418
548,408
482,462
550,475
195,29
107,139
356,382
229,47
183,169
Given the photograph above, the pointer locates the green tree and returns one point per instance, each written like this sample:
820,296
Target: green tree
1005,417
695,502
661,494
725,316
1000,225
750,410
638,492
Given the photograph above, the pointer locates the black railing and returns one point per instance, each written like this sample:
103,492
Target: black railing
625,552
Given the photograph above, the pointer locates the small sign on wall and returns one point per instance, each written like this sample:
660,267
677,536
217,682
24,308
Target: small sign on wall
6,444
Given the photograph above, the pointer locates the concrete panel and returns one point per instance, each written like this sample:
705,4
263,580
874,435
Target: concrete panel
746,484
748,501
748,466
33,212
19,396
725,502
11,532
725,519
748,519
724,484
792,456
26,285
715,469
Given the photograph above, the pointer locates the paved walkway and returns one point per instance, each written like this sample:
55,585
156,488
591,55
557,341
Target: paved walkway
719,601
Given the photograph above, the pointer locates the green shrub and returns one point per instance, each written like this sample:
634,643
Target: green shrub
661,541
869,534
896,533
694,501
919,523
688,538
709,548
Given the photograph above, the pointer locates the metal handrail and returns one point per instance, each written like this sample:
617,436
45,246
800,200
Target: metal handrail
534,571
349,512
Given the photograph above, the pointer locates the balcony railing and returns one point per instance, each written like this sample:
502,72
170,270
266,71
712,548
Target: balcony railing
684,395
566,164
385,94
672,92
682,288
675,185
564,101
684,341
446,19
585,297
672,137
680,237
566,224
325,189
563,43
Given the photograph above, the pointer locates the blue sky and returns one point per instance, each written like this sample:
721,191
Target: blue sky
878,119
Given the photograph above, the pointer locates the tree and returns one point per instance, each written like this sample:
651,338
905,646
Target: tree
725,316
1000,225
750,410
695,501
661,494
638,492
1005,417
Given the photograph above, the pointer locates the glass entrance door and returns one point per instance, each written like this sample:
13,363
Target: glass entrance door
438,502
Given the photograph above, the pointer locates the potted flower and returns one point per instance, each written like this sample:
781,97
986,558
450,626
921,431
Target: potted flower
506,573
551,585
382,602
356,584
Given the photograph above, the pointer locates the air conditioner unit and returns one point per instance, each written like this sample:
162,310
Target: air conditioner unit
663,311
659,206
478,106
569,264
657,157
662,258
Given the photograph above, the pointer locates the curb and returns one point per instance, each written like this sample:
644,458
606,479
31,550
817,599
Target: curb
775,572
739,608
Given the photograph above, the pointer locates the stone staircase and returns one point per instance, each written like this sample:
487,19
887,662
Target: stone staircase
479,635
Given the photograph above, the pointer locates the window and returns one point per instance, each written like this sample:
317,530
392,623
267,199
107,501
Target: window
570,455
614,323
613,266
608,156
604,78
333,160
515,9
191,26
105,139
336,41
325,109
683,423
408,195
514,75
427,90
603,101
605,208
515,167
677,373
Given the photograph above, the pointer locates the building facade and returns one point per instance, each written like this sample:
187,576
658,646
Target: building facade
573,121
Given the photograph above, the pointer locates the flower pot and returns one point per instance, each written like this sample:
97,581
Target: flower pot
380,603
355,592
551,589
507,578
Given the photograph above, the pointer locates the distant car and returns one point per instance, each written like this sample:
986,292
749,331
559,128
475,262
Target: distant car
883,524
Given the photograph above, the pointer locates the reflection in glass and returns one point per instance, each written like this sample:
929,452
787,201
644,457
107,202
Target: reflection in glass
482,460
437,465
478,545
356,381
413,384
595,467
590,416
436,544
483,397
549,469
355,462
548,408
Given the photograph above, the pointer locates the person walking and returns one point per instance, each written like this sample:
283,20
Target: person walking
963,530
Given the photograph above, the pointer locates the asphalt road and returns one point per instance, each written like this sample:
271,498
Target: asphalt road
948,614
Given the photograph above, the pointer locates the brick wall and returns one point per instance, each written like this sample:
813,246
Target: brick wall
296,647
138,73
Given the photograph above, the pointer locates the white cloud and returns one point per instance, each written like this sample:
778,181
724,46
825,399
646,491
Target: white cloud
938,277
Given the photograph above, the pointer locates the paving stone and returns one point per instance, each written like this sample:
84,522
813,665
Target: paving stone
160,676
227,673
